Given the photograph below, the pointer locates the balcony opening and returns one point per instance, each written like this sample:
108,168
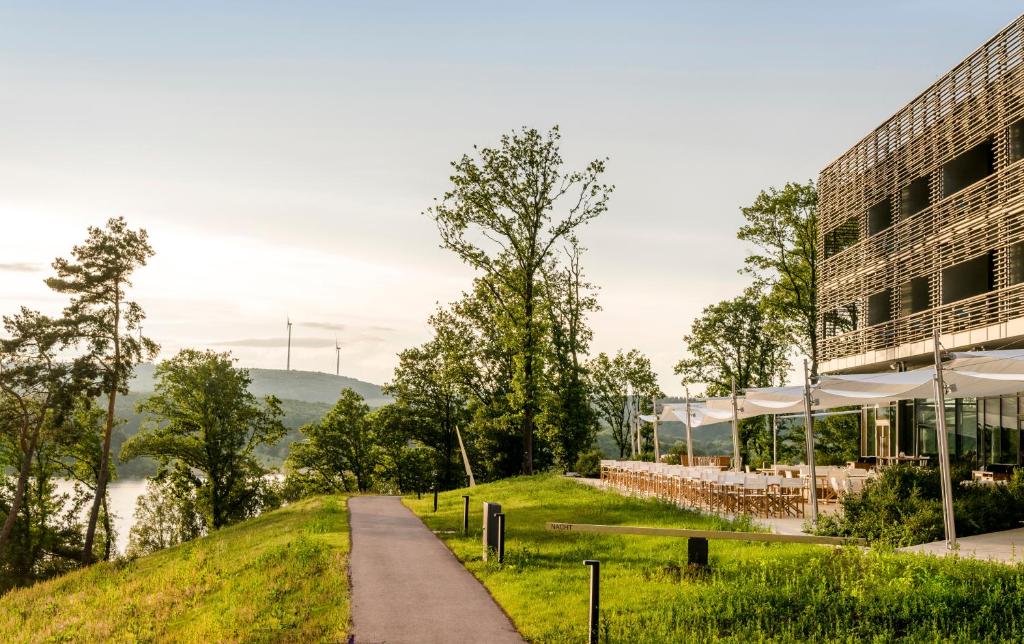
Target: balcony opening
970,278
880,216
1015,135
915,296
880,307
915,197
1016,263
841,320
842,237
970,167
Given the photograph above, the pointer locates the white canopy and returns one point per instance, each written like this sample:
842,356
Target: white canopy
966,375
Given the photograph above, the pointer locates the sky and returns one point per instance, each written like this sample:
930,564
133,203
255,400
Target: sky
281,155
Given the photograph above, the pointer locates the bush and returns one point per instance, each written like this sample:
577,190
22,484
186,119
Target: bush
903,507
589,464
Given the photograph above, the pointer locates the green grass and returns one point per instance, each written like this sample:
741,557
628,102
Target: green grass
751,591
282,577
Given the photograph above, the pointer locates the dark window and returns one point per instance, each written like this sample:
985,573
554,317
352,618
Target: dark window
841,320
914,296
880,216
915,197
1016,140
880,307
966,279
842,237
1016,263
971,166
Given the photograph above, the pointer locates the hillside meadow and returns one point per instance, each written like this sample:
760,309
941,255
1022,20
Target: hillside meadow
281,577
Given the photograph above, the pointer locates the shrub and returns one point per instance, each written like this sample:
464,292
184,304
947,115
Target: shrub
589,464
903,507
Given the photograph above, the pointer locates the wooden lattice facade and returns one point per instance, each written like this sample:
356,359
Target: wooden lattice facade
921,223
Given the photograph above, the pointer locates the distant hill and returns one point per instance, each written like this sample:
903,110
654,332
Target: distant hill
307,386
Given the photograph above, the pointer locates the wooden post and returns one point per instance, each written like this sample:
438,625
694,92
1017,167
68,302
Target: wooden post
942,441
809,444
689,429
736,465
595,599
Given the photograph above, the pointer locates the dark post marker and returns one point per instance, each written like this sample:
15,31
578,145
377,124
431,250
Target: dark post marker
595,597
697,551
435,498
465,514
501,538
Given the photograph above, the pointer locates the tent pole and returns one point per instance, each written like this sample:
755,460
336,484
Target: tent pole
654,410
942,440
775,438
736,466
809,440
689,432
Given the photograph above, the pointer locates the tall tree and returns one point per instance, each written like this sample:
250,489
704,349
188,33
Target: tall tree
34,386
569,417
340,445
617,384
508,209
203,425
97,277
782,226
737,338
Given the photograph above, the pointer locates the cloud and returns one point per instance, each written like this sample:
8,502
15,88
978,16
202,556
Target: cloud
20,267
326,326
305,343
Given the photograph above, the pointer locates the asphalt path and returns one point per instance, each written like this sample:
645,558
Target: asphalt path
408,587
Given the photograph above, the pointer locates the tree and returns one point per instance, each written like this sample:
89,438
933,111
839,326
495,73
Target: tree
341,445
429,388
166,515
737,338
103,320
34,387
568,414
505,214
203,426
782,225
617,384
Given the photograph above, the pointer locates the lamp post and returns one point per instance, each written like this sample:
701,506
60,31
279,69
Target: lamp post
942,441
736,466
809,441
689,432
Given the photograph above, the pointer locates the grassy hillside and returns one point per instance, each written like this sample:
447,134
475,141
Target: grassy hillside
308,386
281,577
751,592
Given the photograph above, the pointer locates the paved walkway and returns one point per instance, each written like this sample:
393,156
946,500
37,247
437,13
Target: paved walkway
1006,546
408,587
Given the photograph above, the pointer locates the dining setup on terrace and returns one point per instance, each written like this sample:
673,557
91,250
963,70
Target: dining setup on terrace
724,485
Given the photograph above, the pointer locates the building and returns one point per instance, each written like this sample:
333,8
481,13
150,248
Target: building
921,227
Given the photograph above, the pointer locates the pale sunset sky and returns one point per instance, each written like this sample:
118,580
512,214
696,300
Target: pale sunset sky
281,154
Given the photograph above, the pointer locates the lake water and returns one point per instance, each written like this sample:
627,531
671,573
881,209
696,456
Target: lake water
122,505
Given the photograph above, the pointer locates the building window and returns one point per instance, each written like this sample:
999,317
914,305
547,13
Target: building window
1015,258
967,430
1015,135
970,167
915,197
880,216
842,237
915,296
880,307
967,279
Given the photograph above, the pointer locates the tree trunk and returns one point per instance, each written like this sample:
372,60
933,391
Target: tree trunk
101,481
528,398
19,492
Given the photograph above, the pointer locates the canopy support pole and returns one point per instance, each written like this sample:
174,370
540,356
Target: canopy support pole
809,440
657,448
736,465
775,437
689,432
942,441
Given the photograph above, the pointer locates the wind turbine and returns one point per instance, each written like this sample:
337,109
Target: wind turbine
337,352
288,364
